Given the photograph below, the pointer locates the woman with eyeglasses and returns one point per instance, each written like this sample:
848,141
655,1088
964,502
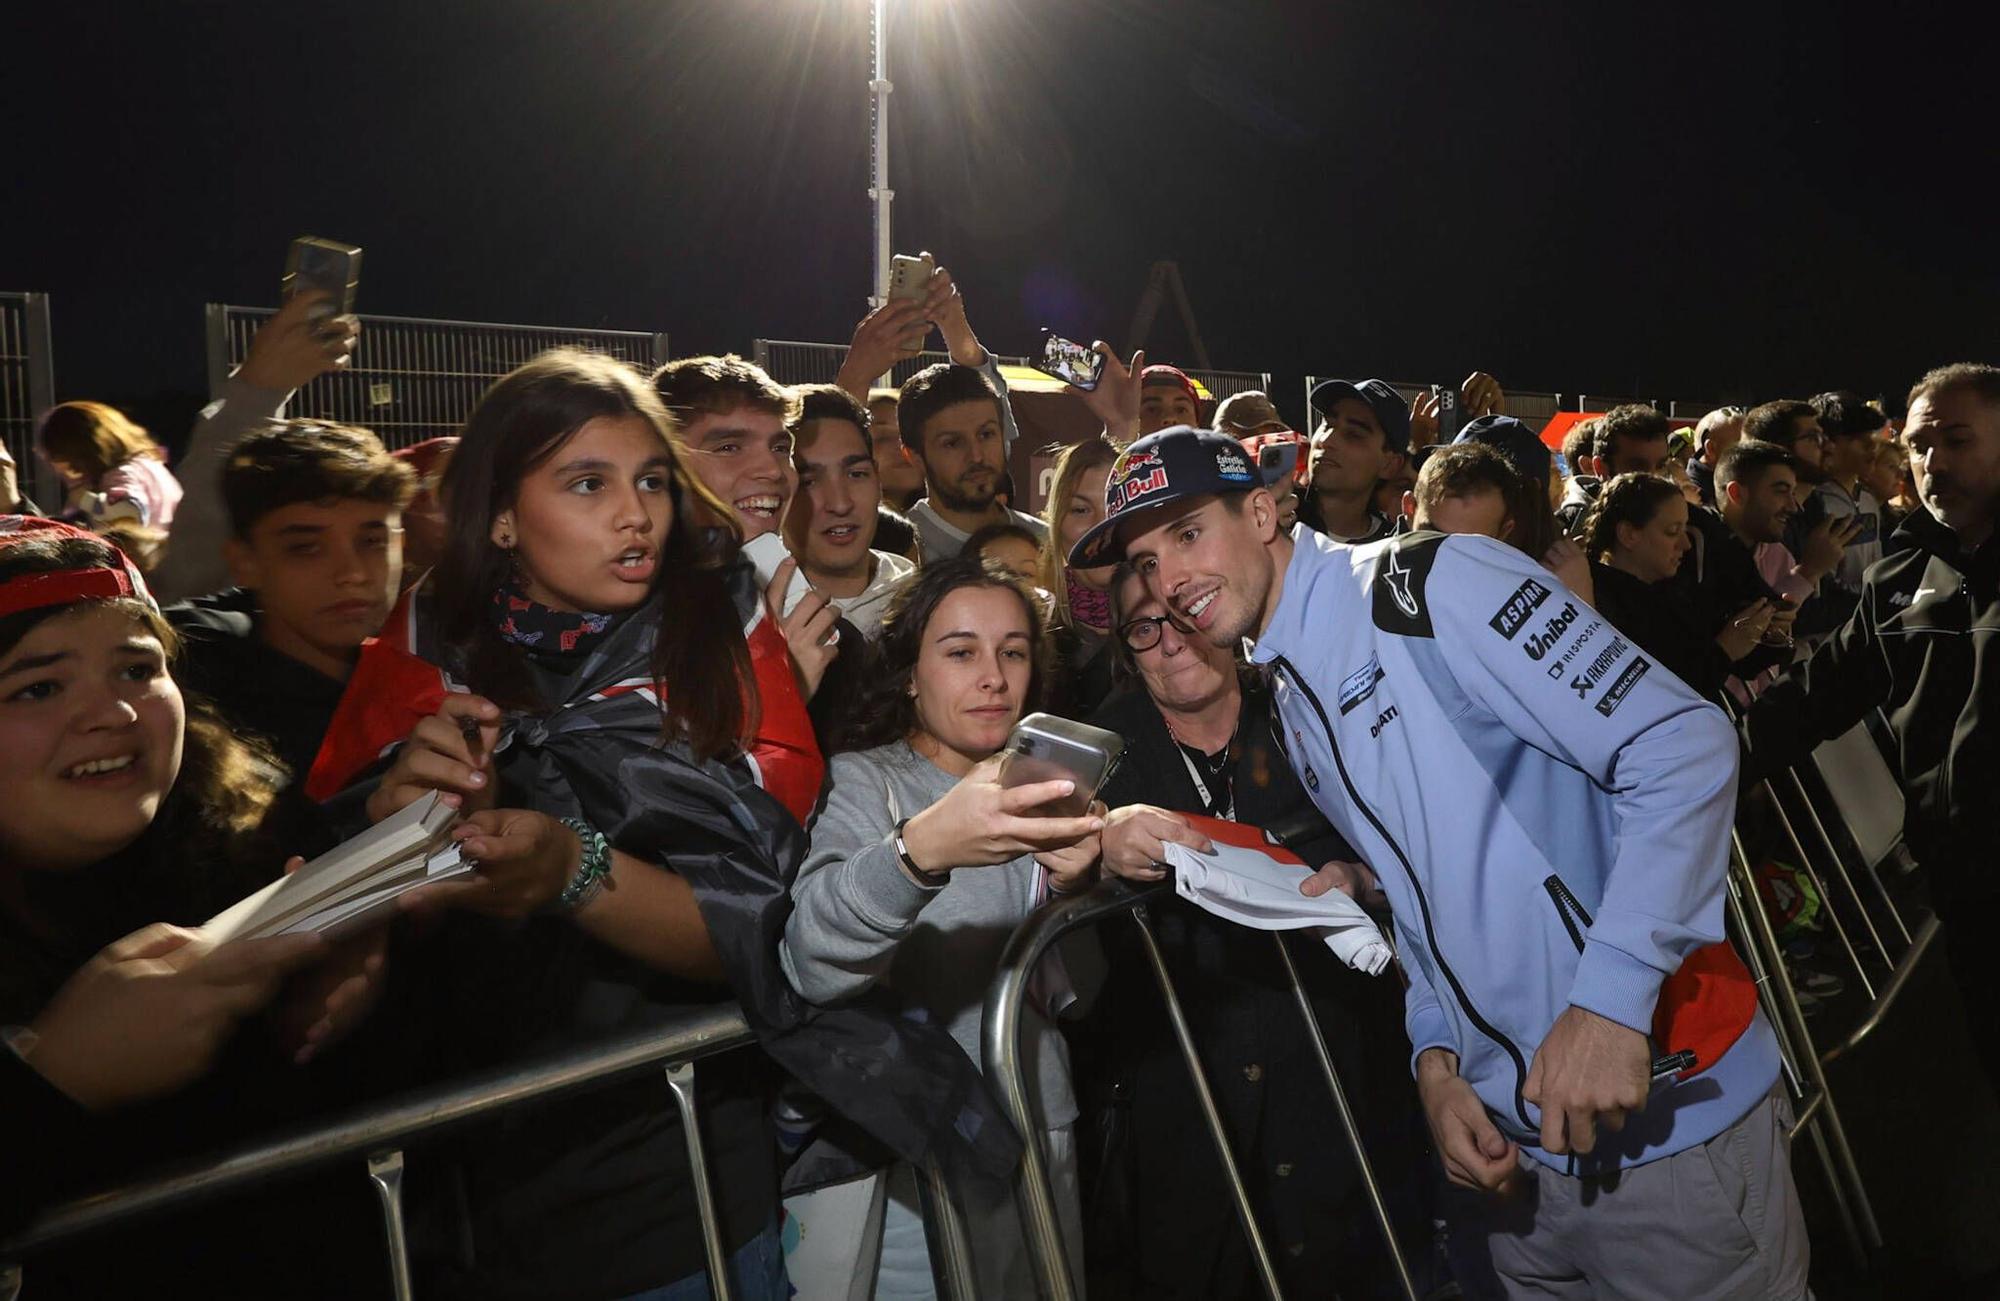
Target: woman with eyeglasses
1199,740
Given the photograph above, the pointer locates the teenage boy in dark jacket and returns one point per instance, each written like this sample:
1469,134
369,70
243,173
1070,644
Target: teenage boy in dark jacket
316,551
1921,646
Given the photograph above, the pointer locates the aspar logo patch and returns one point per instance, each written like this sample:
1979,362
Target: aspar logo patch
1513,616
1592,673
1546,638
1614,695
1360,684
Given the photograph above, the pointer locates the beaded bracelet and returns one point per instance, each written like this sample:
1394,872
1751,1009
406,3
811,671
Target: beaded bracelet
593,870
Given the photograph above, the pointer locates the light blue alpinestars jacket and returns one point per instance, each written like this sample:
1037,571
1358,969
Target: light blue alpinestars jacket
1547,808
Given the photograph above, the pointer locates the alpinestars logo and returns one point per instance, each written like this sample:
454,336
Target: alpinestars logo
1397,579
1551,634
1511,617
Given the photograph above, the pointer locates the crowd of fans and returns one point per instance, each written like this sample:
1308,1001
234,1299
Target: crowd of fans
1495,693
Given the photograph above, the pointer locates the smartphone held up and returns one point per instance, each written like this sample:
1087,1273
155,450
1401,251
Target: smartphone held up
1070,362
322,266
1046,748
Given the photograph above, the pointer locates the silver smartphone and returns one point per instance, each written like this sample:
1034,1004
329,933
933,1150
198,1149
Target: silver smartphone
1046,748
910,277
325,265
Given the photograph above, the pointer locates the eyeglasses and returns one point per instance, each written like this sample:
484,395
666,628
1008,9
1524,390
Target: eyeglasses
1144,634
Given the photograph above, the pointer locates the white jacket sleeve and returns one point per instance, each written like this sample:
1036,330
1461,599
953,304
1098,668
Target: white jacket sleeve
193,564
1553,671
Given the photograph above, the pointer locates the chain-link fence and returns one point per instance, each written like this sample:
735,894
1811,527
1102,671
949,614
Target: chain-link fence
27,388
413,378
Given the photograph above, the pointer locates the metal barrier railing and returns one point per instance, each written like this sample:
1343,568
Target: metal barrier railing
378,1135
1001,1044
27,388
414,378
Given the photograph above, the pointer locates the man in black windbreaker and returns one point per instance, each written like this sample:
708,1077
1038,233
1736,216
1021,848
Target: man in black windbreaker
1922,646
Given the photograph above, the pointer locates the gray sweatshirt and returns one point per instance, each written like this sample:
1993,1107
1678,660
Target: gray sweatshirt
861,920
194,564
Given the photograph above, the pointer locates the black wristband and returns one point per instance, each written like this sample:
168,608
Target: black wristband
932,879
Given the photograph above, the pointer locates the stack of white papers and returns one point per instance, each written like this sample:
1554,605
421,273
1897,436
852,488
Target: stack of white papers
1253,888
353,882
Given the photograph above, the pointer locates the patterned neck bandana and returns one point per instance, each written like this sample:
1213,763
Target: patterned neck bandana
1090,606
535,626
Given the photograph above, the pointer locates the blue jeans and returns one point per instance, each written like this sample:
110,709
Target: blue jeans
756,1273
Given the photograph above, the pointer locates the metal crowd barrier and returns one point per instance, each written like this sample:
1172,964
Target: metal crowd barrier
1001,1045
378,1135
27,389
414,378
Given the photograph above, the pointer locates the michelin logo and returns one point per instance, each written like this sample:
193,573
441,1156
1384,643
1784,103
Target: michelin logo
1614,695
1513,616
1550,635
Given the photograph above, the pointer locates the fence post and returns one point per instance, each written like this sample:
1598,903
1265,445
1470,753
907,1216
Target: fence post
215,322
760,352
661,354
385,1171
39,348
945,1234
680,1078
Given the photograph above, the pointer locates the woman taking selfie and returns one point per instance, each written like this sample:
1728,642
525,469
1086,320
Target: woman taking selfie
131,812
922,865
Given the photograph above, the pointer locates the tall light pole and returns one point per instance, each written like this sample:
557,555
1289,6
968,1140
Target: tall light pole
879,192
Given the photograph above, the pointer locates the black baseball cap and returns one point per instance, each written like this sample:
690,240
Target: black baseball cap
1391,412
1167,466
1513,440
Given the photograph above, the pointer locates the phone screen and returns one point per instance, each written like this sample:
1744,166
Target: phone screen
1071,362
323,266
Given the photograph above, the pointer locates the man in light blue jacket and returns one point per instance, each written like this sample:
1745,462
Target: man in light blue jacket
1548,811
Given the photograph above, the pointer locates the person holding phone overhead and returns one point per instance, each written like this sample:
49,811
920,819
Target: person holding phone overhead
922,864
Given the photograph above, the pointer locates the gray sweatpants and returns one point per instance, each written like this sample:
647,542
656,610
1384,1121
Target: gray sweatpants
1720,1221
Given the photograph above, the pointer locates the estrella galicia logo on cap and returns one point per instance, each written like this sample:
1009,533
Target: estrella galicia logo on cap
1510,618
1231,466
1134,475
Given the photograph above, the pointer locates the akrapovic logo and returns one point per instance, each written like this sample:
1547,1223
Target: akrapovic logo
1591,674
1550,634
1614,695
1513,616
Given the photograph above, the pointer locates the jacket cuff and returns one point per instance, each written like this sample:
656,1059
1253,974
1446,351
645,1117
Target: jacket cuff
1428,1029
1617,986
248,397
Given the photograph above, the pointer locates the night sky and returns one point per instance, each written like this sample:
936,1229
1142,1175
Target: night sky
1659,201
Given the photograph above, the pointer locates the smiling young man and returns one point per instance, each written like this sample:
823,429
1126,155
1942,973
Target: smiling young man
831,525
733,421
316,550
1549,814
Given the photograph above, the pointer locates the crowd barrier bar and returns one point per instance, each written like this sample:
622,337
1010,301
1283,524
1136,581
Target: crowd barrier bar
27,389
1818,1115
378,1135
1001,1045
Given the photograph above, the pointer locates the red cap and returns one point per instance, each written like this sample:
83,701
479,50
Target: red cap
1162,373
53,587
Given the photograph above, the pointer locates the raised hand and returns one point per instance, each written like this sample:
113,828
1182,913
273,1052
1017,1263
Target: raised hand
978,822
808,630
451,751
891,333
1825,543
292,349
1115,400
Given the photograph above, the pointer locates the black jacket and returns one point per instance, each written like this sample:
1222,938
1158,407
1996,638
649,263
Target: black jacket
259,690
1665,621
1921,646
1158,1224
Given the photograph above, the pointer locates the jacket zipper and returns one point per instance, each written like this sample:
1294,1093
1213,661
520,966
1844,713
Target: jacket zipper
1479,1022
1569,909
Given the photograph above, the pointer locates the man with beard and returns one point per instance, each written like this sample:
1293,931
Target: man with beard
1362,438
956,421
1920,647
1549,813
